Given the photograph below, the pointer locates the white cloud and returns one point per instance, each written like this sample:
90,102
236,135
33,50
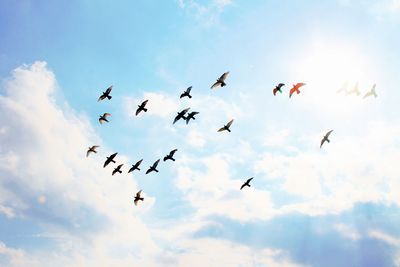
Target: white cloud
347,231
382,236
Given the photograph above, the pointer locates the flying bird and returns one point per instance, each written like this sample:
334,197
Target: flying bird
138,197
91,149
141,107
371,92
153,167
247,183
106,94
190,116
354,91
103,118
226,127
170,155
325,138
180,115
220,81
118,169
187,92
278,88
296,88
110,159
135,166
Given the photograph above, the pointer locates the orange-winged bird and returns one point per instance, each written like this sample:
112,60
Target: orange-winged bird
91,149
106,94
153,167
226,127
220,81
103,118
110,159
296,89
187,92
247,183
180,115
118,169
371,92
325,138
135,166
138,197
190,116
141,107
278,88
170,155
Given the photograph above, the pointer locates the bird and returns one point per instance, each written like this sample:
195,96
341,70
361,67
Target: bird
325,138
278,88
170,155
180,115
110,159
190,116
187,92
141,107
354,91
106,94
343,88
226,127
103,118
135,166
91,149
138,197
371,92
247,183
118,169
220,81
153,167
296,88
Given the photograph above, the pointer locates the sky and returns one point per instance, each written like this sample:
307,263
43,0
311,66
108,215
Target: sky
308,206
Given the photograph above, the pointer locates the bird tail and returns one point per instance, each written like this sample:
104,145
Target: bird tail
189,96
298,91
165,158
228,130
137,169
109,97
113,160
187,120
327,140
223,84
120,171
155,170
145,109
172,159
141,198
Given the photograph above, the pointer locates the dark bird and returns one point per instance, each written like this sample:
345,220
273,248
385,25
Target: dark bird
190,116
91,149
371,92
354,91
343,88
138,197
247,183
170,155
296,88
110,159
325,138
187,92
135,166
220,81
141,107
278,88
106,94
153,167
180,115
103,118
118,169
226,127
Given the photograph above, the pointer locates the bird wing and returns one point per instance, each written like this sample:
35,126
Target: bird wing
298,85
243,185
176,119
322,142
149,170
101,120
119,166
328,133
139,162
216,84
248,180
88,152
229,124
101,97
222,129
280,85
223,76
185,111
156,163
275,90
138,111
195,113
109,90
292,91
173,152
182,95
113,155
105,115
189,89
145,102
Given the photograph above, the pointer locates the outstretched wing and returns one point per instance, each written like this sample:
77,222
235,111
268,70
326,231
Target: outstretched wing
243,185
229,124
188,89
322,142
223,76
280,85
144,103
171,154
106,115
216,84
176,119
109,90
222,129
101,97
88,153
292,91
113,155
275,90
156,163
249,180
298,85
328,133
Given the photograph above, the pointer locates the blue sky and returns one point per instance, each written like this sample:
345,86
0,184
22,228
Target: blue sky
335,206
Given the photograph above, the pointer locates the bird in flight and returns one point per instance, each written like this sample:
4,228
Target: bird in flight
118,169
296,88
138,197
187,92
141,107
91,149
170,155
103,118
135,166
247,183
153,167
278,88
110,159
220,81
190,116
180,115
106,94
226,127
354,91
371,92
325,138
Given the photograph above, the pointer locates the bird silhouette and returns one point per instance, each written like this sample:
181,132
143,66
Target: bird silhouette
278,88
170,155
138,197
220,81
118,169
187,92
141,107
296,89
226,127
110,159
103,118
247,183
135,166
106,94
354,91
325,138
371,92
190,116
91,149
180,115
153,167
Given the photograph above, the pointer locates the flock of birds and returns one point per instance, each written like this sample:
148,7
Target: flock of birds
187,116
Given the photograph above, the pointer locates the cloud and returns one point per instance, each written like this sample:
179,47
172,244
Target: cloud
206,12
384,237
